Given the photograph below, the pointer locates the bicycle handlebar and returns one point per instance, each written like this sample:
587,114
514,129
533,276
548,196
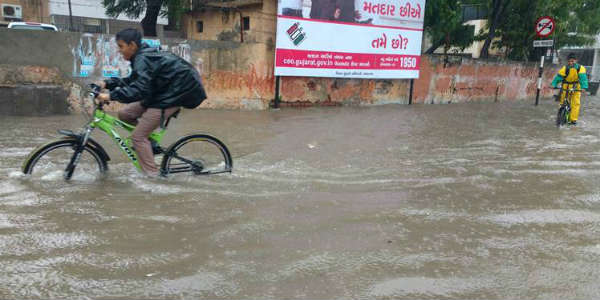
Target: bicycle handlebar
572,90
95,89
94,92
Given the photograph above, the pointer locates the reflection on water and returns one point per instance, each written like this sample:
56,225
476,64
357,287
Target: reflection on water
465,201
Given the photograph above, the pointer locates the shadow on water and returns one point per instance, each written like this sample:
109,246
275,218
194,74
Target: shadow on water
461,201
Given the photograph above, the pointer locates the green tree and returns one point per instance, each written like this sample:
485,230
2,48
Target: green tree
444,25
577,24
497,9
151,9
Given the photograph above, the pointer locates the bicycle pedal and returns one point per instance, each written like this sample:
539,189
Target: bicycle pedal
157,150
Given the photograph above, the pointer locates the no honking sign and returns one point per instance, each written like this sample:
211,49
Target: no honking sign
544,26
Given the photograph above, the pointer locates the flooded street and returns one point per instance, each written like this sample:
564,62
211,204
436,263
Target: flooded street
460,201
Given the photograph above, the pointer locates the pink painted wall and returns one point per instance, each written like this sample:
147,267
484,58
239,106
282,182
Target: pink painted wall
464,80
475,80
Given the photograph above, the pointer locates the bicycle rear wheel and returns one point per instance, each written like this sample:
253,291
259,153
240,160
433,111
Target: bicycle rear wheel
49,162
199,154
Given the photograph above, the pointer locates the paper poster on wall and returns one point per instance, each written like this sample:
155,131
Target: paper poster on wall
87,66
349,38
110,71
98,56
152,43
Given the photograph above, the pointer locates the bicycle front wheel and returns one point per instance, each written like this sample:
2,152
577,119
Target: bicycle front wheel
562,116
49,162
198,154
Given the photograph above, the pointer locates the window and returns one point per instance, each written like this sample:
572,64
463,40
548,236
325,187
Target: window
92,28
246,21
474,12
470,30
199,26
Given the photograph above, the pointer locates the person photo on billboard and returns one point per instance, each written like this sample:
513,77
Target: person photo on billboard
335,10
292,8
344,11
322,9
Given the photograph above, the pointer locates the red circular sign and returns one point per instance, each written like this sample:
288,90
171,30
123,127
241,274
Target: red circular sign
544,26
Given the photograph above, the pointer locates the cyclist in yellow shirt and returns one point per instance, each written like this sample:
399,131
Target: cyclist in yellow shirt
574,76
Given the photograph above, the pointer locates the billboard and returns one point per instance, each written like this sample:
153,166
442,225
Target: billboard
349,38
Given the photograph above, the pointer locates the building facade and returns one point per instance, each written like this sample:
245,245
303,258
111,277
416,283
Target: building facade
237,20
24,10
89,16
84,16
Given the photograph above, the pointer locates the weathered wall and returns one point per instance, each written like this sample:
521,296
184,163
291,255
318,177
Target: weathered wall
305,91
38,48
33,68
237,76
467,80
462,80
240,75
29,90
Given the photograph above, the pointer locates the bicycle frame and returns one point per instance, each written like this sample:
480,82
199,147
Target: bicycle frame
568,93
107,123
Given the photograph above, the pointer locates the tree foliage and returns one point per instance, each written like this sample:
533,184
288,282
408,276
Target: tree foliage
577,24
498,8
444,25
152,9
510,27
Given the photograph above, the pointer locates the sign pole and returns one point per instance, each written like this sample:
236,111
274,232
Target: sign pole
539,85
277,96
410,96
71,17
544,27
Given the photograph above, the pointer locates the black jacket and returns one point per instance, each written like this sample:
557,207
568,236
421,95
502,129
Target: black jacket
322,9
160,80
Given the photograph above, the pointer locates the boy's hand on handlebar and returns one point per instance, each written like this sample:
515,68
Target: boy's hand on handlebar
101,84
104,97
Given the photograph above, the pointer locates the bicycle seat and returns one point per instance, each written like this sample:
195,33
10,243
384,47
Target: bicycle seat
166,123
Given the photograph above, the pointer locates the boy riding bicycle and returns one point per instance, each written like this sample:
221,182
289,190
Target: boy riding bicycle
572,76
160,82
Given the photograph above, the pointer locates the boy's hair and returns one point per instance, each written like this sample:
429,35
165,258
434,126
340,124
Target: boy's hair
572,56
130,35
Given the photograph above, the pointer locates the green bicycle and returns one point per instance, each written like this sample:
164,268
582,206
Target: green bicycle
196,154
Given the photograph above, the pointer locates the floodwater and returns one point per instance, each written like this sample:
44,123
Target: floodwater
460,201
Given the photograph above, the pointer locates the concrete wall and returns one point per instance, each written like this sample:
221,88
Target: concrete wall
34,68
240,75
236,76
31,90
465,80
38,48
462,80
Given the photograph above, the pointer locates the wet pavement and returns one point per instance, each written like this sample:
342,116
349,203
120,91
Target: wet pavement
461,201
